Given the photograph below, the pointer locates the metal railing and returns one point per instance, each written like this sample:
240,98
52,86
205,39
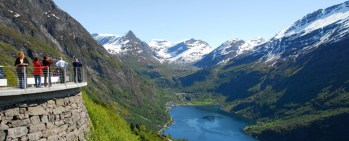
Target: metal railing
46,78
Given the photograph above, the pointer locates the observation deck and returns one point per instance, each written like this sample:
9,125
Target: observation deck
14,83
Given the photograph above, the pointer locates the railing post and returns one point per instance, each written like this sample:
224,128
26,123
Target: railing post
83,74
76,75
48,79
65,77
24,81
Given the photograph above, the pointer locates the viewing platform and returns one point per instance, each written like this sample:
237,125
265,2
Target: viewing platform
11,91
61,79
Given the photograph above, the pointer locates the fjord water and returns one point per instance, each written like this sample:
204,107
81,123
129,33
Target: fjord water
206,123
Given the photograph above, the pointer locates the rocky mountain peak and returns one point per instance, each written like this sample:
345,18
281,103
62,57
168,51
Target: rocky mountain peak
130,35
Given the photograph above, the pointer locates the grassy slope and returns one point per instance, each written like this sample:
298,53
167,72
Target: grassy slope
110,126
106,125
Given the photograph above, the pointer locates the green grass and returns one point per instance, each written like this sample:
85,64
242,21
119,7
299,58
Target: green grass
106,125
282,125
201,103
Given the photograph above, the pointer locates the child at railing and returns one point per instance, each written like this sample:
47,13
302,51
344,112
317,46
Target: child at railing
21,64
37,72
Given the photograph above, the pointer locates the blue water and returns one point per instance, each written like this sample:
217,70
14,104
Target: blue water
206,123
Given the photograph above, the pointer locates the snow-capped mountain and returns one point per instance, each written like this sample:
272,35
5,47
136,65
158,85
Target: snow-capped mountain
317,20
189,51
229,50
160,47
127,47
185,52
319,28
114,44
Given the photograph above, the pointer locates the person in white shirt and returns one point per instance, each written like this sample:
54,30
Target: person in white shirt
61,66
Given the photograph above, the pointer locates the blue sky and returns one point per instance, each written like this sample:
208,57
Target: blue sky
214,21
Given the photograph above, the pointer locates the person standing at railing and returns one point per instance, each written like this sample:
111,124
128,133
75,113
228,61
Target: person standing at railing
61,67
21,64
37,71
47,70
77,70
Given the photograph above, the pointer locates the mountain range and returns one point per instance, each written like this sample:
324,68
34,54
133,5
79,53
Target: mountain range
183,52
200,54
193,52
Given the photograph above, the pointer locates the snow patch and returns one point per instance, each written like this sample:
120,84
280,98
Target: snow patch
16,15
272,57
107,35
55,16
126,41
113,49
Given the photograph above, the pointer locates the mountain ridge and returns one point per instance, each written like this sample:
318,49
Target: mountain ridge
227,51
183,52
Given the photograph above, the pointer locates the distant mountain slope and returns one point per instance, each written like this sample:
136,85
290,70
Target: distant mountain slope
321,27
227,51
39,27
110,42
188,51
160,49
295,84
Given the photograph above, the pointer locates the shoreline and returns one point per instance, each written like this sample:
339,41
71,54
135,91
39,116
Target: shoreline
166,125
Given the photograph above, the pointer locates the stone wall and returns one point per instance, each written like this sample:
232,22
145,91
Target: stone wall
60,116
